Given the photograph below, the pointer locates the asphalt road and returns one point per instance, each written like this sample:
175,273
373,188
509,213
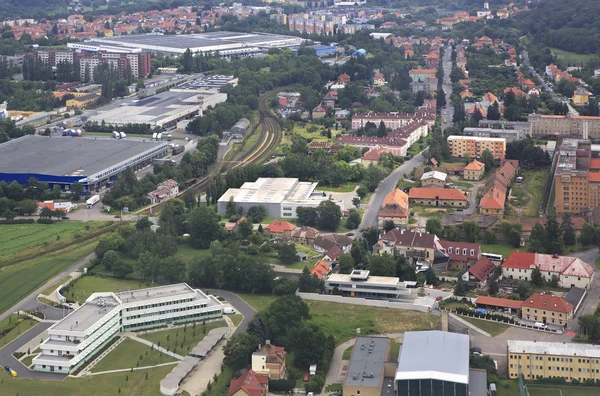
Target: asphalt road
385,187
240,305
448,110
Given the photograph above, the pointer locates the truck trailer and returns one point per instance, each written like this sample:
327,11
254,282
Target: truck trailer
92,201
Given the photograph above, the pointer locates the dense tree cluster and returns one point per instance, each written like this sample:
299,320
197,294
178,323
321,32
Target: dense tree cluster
528,154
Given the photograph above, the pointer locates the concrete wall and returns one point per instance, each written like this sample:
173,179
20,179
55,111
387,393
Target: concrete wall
362,301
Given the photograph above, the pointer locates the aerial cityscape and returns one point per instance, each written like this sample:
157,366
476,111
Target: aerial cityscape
320,198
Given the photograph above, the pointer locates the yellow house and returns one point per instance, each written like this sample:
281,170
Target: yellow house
547,308
537,360
270,360
581,97
474,170
82,101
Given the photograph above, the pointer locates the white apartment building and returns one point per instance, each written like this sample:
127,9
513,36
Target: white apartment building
90,64
76,338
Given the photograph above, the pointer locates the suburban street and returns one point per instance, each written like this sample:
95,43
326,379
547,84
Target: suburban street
448,110
385,187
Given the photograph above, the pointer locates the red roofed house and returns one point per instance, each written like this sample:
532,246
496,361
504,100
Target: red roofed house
319,112
280,228
344,78
165,190
546,308
232,227
394,208
437,197
249,384
305,235
474,171
320,269
480,272
498,304
571,271
333,253
462,254
269,360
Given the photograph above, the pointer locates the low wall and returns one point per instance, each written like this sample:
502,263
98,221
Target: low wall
363,301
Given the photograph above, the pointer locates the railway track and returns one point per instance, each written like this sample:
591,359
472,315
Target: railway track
268,140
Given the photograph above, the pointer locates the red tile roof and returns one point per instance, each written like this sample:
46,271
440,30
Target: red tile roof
455,250
564,265
482,269
594,177
595,163
250,383
280,226
334,252
320,269
436,193
498,302
548,302
475,166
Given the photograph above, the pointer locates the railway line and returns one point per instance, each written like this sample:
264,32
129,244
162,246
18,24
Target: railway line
269,129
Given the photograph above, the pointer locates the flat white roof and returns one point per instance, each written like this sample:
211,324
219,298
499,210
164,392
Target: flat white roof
270,190
155,293
436,355
478,138
376,280
554,348
434,175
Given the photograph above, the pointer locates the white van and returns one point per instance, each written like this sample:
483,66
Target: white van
540,325
228,310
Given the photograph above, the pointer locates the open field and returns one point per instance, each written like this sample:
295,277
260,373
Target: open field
345,188
142,382
501,248
183,339
257,301
316,135
534,182
24,323
494,328
86,285
17,281
20,241
236,319
128,353
570,58
511,388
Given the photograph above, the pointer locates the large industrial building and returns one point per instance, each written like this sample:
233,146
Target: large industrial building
585,127
227,44
161,110
62,161
279,196
78,336
436,363
367,367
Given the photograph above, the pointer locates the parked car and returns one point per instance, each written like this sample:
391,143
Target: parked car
476,351
305,378
65,217
117,216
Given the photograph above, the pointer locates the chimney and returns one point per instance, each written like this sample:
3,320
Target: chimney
268,342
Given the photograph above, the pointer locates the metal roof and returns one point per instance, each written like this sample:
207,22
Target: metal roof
435,355
553,348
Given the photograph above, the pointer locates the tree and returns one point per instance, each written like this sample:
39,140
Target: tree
460,289
244,229
143,223
588,234
287,251
388,225
307,216
490,237
362,192
554,237
514,238
493,287
537,239
28,206
487,158
569,236
470,230
239,349
441,98
46,213
203,227
382,265
256,213
307,282
353,220
9,214
493,112
434,226
453,234
505,228
345,263
356,202
430,277
536,278
231,208
121,268
329,215
109,259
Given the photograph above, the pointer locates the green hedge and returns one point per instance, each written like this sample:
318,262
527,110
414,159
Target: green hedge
18,221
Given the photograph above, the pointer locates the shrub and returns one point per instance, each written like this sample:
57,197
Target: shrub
18,221
284,385
45,221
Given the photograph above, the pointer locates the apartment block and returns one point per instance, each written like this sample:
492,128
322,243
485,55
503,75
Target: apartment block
584,127
537,360
74,339
474,146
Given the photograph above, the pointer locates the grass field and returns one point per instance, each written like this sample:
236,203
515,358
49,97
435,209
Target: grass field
494,328
314,136
500,248
257,301
570,58
534,182
24,240
142,383
597,262
510,388
236,319
17,281
86,285
182,340
128,353
344,188
24,323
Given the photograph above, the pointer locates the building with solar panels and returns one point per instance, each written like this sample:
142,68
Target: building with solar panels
227,44
62,161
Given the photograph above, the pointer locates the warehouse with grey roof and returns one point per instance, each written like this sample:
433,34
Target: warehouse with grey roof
366,368
62,161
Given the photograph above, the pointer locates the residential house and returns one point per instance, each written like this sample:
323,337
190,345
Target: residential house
374,154
82,101
343,78
319,112
280,228
474,170
249,384
305,235
494,191
479,273
378,79
412,244
434,178
328,101
269,360
462,254
394,208
323,243
465,94
581,97
546,308
332,254
321,269
436,196
570,271
165,190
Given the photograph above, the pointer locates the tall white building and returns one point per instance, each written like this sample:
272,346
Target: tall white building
76,338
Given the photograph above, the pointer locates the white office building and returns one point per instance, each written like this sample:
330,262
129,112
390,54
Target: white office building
279,196
76,338
360,283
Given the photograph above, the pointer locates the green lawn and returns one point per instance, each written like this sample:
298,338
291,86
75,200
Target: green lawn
187,252
511,388
236,319
257,301
182,340
128,353
348,353
597,262
142,383
17,281
314,136
27,360
534,181
344,188
500,248
494,328
394,351
570,58
21,241
24,323
81,289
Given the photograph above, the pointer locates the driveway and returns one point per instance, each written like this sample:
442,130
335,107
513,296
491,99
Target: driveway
240,305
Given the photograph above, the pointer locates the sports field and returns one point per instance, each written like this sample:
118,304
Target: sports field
555,390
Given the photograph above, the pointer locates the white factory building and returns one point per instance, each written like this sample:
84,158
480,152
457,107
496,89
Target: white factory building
76,338
279,196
